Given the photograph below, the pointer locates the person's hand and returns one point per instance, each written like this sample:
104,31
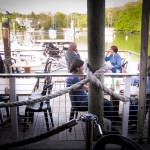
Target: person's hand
76,50
82,77
108,52
111,66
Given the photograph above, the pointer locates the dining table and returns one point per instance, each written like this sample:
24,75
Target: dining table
14,87
27,65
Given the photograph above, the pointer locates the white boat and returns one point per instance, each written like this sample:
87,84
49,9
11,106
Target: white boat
109,31
52,34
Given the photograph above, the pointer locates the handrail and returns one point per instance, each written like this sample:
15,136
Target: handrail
62,74
83,50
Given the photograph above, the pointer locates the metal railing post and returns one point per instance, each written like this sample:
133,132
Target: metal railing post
125,111
89,120
13,98
148,135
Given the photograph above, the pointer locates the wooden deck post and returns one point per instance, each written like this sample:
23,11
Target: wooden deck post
143,66
96,42
0,31
6,37
14,30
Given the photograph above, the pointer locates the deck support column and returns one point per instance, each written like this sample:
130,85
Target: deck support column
143,66
96,42
6,37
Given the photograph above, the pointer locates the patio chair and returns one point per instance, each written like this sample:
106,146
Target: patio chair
2,68
47,69
7,63
39,106
4,99
75,108
124,64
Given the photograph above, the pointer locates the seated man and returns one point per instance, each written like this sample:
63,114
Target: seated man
82,96
71,54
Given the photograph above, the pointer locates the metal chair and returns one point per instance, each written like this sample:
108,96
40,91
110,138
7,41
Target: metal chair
2,68
75,108
7,63
39,106
124,64
47,69
4,99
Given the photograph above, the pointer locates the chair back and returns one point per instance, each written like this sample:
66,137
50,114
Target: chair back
124,64
2,68
48,67
73,98
46,89
48,61
47,80
7,63
75,104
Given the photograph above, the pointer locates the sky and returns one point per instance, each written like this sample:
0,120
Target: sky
53,6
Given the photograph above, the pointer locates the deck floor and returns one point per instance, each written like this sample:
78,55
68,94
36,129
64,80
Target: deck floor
61,109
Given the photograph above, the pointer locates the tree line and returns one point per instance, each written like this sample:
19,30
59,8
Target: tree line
126,18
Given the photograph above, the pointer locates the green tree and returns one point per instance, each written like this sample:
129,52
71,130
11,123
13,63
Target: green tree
83,21
128,18
60,20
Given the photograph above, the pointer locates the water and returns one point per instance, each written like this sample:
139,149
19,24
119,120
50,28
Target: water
124,41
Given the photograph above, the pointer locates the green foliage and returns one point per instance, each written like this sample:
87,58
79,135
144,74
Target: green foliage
83,21
125,18
60,20
128,18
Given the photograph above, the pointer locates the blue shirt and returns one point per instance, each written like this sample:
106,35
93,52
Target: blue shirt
115,61
136,81
82,94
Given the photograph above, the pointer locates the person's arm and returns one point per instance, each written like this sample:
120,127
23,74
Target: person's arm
108,52
76,51
118,62
78,79
77,54
85,87
108,56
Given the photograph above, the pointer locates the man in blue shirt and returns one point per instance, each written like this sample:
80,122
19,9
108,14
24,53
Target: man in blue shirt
114,58
81,93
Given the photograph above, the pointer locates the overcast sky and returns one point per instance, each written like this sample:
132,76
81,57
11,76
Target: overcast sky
64,6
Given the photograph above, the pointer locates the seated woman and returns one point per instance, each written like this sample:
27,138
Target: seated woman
114,58
81,94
